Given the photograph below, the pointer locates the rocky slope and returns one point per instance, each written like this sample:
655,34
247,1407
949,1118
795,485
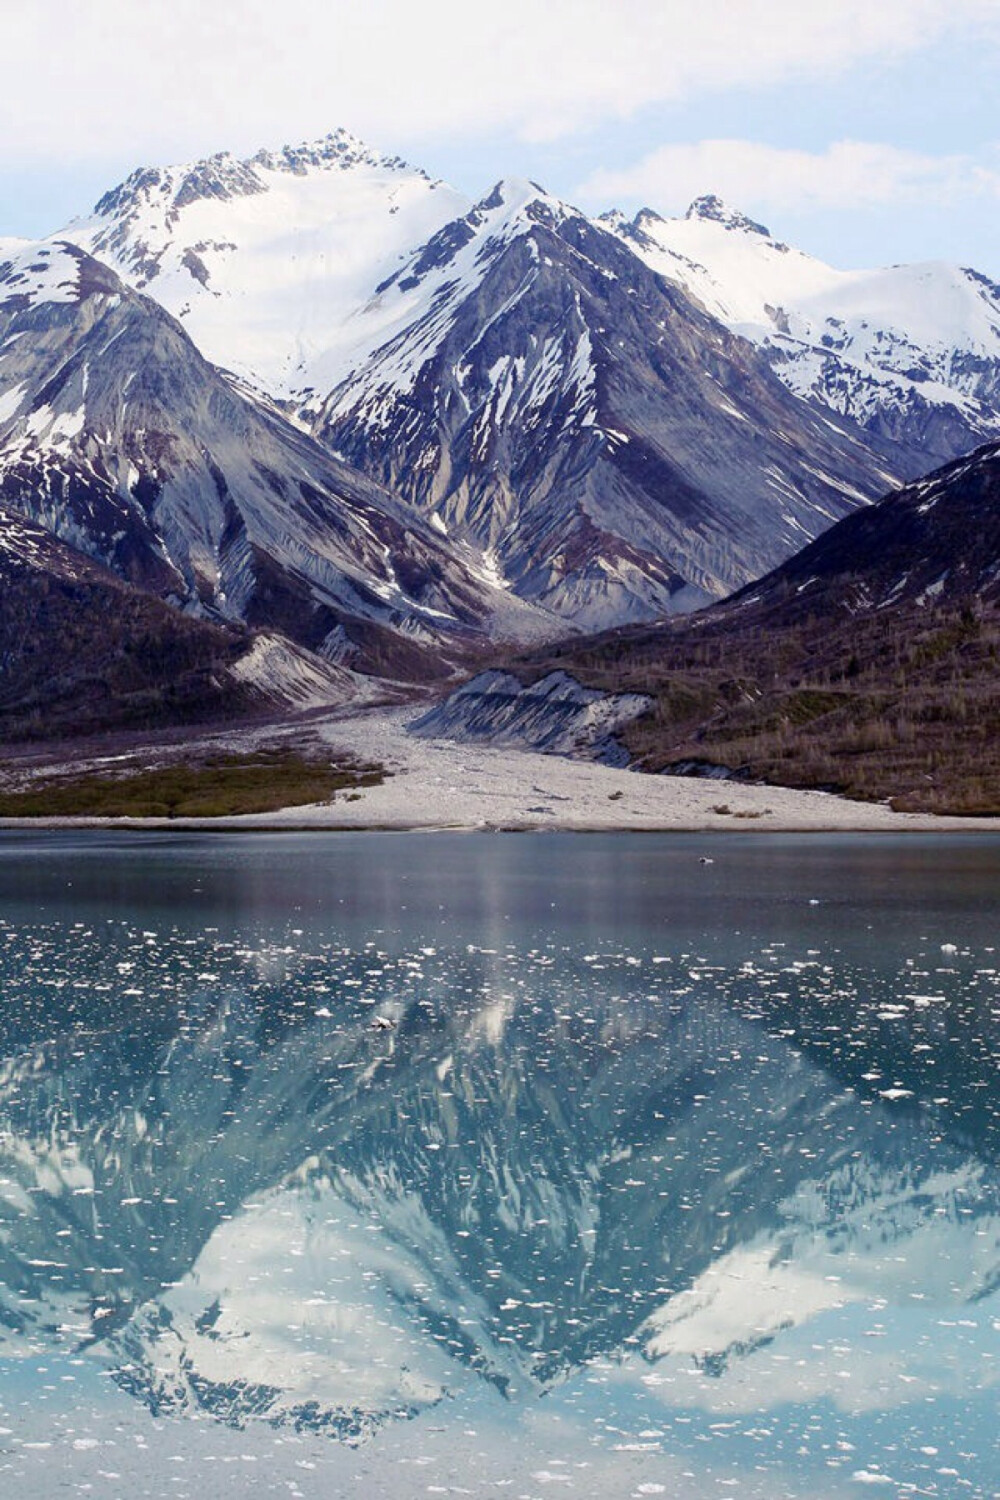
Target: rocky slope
555,715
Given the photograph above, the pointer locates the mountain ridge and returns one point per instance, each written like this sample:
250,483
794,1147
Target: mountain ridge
582,520
929,386
911,352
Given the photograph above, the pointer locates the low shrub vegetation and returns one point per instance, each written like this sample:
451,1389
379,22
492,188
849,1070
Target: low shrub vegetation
219,787
900,705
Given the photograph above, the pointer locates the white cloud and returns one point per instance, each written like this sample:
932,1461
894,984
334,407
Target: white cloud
849,174
173,76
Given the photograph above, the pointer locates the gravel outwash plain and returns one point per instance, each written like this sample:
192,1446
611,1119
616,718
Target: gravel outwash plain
438,784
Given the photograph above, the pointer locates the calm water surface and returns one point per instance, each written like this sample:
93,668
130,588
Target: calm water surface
526,1166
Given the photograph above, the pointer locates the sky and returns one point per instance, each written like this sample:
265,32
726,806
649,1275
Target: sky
864,131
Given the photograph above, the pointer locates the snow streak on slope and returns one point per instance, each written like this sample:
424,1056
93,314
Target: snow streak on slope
271,262
910,352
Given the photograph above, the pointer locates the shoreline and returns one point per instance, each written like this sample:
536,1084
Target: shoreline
982,828
443,786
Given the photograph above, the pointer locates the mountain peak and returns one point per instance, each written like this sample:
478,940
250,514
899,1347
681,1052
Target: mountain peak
516,204
713,209
513,193
224,175
338,149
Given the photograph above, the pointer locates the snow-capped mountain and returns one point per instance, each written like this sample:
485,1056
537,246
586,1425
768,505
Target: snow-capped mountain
910,352
120,438
575,424
507,368
616,452
270,262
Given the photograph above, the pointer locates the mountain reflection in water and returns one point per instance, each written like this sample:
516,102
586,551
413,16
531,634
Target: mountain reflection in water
676,1153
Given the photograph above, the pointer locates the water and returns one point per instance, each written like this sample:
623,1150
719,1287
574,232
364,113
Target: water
403,1165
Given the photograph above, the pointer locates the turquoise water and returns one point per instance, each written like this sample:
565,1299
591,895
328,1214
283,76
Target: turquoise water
526,1164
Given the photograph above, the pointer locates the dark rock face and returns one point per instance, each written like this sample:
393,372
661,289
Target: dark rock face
711,207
